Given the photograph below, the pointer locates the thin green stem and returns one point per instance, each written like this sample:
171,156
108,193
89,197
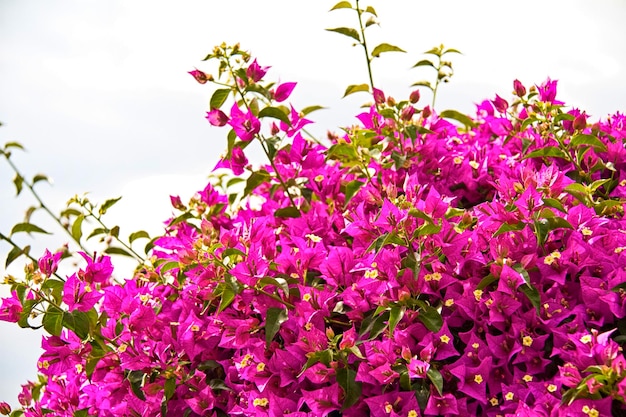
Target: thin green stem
364,45
43,205
277,298
439,67
128,247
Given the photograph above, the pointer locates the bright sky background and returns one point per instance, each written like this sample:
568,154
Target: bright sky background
99,94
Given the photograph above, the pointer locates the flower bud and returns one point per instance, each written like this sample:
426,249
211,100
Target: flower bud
427,112
217,117
519,88
177,203
379,96
580,122
414,97
200,76
391,101
500,104
5,408
407,113
274,129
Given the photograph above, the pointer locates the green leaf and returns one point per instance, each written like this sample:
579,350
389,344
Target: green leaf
370,9
533,295
228,295
579,191
376,326
341,5
351,189
82,413
138,235
55,286
590,140
385,47
355,88
507,227
107,205
428,229
9,145
436,378
254,180
288,212
13,254
452,51
458,116
18,180
548,151
436,50
136,379
112,250
27,308
277,282
80,322
385,239
352,33
486,281
423,84
311,109
168,267
219,97
53,321
97,231
395,315
346,378
274,318
28,228
170,388
554,203
430,317
276,113
425,63
77,231
593,187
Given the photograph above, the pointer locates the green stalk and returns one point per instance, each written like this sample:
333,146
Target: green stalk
43,205
364,44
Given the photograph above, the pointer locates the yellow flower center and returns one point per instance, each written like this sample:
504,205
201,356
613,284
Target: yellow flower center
527,341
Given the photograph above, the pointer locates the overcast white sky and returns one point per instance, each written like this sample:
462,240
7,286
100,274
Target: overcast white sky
98,91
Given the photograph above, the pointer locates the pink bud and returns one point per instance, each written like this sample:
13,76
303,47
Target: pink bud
407,113
274,129
217,117
5,408
427,111
200,76
414,97
500,104
379,96
580,122
177,203
519,88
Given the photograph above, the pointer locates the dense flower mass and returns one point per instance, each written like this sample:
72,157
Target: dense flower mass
418,264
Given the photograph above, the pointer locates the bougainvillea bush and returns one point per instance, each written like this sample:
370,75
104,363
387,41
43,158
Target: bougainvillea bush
419,263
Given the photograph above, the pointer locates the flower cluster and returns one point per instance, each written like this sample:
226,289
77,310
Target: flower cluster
419,264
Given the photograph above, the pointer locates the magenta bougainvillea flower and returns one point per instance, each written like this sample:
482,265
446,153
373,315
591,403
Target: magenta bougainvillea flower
245,125
255,72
